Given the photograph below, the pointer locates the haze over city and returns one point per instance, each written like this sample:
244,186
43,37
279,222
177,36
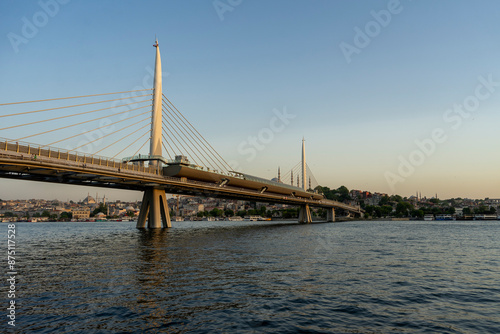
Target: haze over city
391,96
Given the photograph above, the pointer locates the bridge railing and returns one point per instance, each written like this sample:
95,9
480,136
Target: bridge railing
36,152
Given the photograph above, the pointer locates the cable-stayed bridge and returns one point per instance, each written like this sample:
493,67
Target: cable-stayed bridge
79,141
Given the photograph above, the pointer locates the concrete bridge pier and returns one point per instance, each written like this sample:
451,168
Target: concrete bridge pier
330,214
154,209
305,214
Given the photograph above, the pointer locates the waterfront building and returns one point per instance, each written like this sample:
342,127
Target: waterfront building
81,213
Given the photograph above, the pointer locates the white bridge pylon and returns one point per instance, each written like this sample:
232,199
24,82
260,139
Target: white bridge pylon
154,207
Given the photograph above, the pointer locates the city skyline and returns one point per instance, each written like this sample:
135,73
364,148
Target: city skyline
390,96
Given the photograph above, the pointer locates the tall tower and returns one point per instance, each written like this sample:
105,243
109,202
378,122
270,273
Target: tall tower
291,177
304,179
279,175
154,207
156,121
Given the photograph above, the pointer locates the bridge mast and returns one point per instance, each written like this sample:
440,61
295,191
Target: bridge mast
154,207
304,211
304,182
156,124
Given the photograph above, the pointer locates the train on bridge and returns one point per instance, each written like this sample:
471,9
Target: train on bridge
180,167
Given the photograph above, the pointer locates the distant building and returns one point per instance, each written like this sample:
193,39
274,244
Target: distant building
187,213
100,215
89,200
81,213
130,208
358,194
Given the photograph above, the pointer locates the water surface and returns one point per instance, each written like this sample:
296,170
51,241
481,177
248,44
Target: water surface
259,277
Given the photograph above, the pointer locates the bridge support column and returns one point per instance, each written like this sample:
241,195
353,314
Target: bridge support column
330,214
305,214
154,209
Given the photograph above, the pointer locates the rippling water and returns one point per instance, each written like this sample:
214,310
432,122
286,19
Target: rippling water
246,277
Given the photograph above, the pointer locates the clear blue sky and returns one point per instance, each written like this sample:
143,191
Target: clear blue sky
231,63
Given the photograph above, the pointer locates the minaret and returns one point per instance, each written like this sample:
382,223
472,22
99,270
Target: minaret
298,181
304,179
279,175
156,124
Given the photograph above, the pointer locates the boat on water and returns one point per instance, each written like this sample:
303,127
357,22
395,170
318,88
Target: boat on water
253,218
444,217
429,217
485,217
182,168
235,219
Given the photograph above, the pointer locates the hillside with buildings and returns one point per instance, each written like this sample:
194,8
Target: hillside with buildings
376,206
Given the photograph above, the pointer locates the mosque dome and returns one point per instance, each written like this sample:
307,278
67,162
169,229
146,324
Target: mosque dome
89,200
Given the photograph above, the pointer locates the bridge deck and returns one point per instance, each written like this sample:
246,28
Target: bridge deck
26,162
